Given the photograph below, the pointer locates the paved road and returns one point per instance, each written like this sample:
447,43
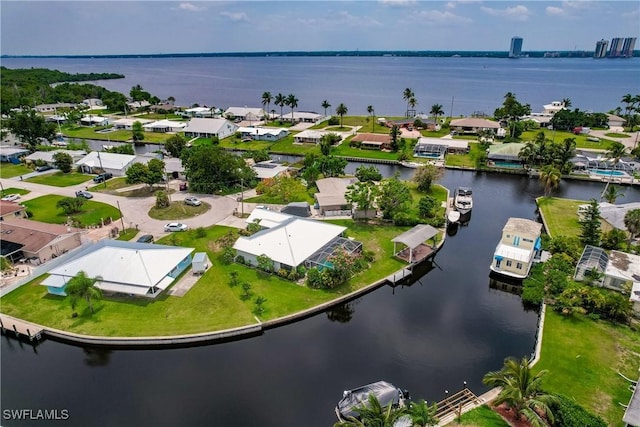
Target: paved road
134,209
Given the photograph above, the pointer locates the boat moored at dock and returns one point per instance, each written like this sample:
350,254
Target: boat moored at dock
386,393
463,200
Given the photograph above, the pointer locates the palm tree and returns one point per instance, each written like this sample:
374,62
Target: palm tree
566,103
373,413
528,153
612,194
266,100
341,110
292,102
371,111
550,177
423,415
436,110
412,103
521,391
632,222
325,104
628,100
83,286
617,150
280,100
407,95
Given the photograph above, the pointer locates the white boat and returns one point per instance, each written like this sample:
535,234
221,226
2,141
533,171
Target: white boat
453,217
412,165
463,200
386,393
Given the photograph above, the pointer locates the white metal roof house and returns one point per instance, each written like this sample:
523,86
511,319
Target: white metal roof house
267,218
141,269
127,124
554,107
473,125
47,156
309,136
262,133
302,117
201,112
245,113
269,169
165,126
114,163
291,242
208,128
94,121
517,248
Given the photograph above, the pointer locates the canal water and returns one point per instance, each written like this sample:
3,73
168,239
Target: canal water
447,327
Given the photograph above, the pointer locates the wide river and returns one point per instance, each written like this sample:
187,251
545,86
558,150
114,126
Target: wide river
447,327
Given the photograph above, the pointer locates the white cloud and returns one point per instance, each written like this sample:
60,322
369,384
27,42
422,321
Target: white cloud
450,5
235,16
516,13
399,3
435,16
631,14
555,11
190,7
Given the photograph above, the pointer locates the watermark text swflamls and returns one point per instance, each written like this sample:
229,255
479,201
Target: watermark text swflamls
35,414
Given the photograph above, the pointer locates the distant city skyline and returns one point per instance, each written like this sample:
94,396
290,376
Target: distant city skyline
163,27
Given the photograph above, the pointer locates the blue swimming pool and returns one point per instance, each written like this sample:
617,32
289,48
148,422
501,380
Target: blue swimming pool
605,172
428,155
509,165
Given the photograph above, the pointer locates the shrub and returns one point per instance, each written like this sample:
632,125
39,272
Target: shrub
201,232
301,270
246,291
240,260
568,413
333,121
283,273
314,278
293,275
227,256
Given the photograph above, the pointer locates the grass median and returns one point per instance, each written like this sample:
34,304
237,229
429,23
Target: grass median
44,209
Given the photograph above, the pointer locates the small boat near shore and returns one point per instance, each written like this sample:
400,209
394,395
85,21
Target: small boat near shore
412,165
463,200
386,393
453,217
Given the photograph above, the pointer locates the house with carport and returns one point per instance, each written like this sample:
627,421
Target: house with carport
165,126
209,128
330,198
127,123
473,125
125,268
262,133
12,154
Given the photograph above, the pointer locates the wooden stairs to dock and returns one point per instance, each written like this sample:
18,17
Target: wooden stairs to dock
458,403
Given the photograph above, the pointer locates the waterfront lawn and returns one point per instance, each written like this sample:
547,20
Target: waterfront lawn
560,215
482,416
9,170
44,209
287,146
346,151
211,304
122,135
234,143
468,160
583,358
60,179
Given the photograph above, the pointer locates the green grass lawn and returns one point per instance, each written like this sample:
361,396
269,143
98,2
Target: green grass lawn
44,209
560,215
345,150
561,135
617,135
211,304
127,234
60,179
303,196
583,358
465,160
482,416
178,210
9,170
234,143
110,185
286,145
145,191
13,190
83,132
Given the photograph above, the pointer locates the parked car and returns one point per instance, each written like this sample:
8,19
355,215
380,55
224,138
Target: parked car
176,226
147,238
85,194
192,201
183,186
102,177
44,168
11,197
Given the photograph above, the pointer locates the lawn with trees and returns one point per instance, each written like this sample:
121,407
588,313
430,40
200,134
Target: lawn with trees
45,209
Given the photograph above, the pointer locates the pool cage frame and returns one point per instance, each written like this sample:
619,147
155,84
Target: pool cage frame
593,259
424,150
320,257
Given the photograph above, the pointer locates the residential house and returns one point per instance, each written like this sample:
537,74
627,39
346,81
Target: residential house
372,141
12,154
36,241
10,210
137,105
128,268
311,136
615,122
209,128
295,241
94,104
51,108
127,123
94,121
435,148
262,133
201,112
330,199
47,156
612,215
269,169
553,108
516,250
505,155
114,163
244,114
301,117
165,126
473,125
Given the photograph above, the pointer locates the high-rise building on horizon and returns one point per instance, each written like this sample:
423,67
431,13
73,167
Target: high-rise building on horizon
601,49
515,50
615,51
628,46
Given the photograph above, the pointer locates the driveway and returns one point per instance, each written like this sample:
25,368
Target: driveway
134,209
630,142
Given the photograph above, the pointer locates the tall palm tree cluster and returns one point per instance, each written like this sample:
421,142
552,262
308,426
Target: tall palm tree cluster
280,100
631,109
410,97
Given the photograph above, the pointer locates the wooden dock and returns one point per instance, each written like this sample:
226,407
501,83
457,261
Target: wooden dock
399,276
20,328
456,404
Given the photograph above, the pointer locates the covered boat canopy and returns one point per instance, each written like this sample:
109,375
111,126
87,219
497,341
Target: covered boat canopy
353,399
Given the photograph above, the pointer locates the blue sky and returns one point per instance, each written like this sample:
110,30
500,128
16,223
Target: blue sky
132,27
